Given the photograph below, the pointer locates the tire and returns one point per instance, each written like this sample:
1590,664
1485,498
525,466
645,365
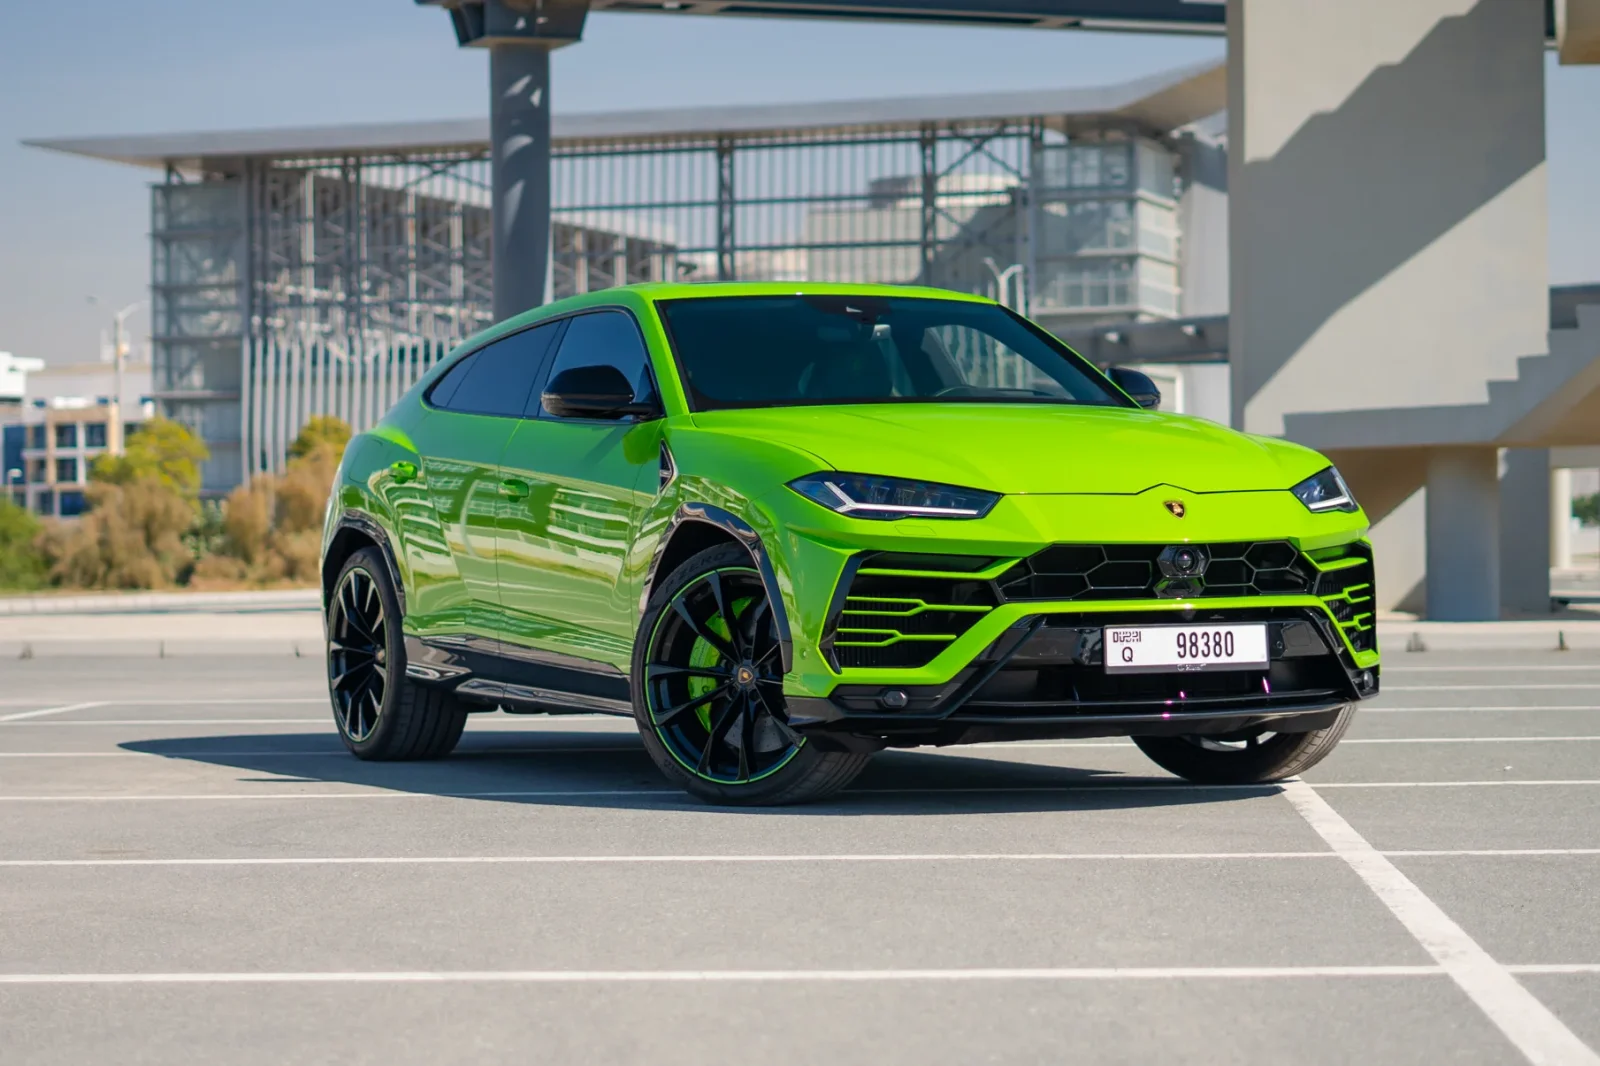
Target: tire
708,695
1211,761
382,715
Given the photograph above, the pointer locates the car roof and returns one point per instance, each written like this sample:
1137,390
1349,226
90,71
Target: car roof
711,289
659,291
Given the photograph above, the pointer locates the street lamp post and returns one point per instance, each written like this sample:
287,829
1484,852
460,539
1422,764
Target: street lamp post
1002,281
119,354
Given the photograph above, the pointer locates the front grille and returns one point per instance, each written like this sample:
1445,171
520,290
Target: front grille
897,610
1147,571
901,611
1350,593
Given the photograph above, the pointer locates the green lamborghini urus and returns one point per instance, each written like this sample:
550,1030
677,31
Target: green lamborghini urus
785,526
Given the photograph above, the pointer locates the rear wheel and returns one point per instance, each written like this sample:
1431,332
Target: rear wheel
1245,759
381,713
708,691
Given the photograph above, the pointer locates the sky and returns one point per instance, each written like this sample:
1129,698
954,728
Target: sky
72,229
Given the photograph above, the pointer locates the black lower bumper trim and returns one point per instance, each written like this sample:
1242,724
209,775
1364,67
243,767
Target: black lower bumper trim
1048,673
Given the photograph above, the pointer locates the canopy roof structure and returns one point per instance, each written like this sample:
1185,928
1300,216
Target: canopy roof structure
1161,16
1158,103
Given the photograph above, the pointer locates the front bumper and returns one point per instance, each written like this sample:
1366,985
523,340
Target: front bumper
1043,675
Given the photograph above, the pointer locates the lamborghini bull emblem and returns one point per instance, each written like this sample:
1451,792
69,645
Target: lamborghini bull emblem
1177,508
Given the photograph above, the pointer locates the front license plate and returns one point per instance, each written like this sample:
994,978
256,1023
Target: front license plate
1179,649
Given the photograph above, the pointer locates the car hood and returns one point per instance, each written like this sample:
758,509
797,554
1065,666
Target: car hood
1028,448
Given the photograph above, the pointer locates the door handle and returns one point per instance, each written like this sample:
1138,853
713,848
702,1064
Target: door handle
403,471
513,489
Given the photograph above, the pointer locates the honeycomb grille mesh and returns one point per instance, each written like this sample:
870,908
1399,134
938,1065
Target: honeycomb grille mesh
1134,572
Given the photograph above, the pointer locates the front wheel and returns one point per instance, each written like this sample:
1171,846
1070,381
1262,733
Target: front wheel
708,691
1251,759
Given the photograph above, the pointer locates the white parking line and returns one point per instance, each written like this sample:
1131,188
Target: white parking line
1516,1012
380,793
647,860
1455,784
1109,973
1348,740
1540,668
63,709
330,753
1474,710
327,721
1590,687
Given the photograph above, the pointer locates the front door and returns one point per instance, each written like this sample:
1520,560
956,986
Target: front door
474,409
567,588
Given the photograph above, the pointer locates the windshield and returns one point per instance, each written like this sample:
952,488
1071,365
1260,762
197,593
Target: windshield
785,351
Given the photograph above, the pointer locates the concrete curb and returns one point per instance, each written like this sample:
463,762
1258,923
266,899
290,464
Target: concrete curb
164,602
1399,637
48,648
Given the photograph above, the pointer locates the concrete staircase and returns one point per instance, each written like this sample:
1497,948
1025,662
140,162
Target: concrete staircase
1553,400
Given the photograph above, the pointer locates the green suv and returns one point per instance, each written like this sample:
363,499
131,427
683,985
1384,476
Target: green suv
784,526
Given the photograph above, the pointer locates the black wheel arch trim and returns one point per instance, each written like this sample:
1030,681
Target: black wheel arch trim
369,527
741,531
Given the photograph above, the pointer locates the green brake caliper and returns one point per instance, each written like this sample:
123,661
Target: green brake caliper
703,654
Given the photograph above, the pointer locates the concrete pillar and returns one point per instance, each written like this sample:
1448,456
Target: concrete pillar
1525,531
1561,519
1387,224
1463,535
519,131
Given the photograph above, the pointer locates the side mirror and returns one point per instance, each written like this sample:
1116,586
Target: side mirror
1138,386
591,392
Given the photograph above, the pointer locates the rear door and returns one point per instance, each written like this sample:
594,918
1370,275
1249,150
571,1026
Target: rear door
473,410
567,583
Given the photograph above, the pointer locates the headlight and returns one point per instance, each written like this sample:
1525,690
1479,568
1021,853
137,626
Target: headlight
865,496
1325,492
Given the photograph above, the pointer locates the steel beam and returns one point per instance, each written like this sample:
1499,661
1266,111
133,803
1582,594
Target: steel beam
519,131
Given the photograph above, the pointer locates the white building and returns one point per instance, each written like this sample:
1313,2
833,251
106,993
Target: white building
68,420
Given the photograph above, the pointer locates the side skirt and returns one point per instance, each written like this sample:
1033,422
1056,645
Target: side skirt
479,671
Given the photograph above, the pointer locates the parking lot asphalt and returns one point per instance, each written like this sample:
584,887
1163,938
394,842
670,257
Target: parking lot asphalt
192,869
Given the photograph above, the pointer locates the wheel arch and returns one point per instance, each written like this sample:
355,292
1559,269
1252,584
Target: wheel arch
354,532
698,526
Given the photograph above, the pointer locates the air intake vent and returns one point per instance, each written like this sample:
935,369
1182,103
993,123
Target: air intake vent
900,610
1348,588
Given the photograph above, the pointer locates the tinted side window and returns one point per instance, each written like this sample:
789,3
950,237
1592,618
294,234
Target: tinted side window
599,339
446,387
500,376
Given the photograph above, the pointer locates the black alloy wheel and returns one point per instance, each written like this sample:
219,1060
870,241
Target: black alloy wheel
358,654
715,681
381,713
708,690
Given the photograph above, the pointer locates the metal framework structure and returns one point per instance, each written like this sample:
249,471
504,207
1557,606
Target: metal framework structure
318,271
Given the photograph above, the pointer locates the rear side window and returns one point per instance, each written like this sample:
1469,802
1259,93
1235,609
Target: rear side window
599,339
496,379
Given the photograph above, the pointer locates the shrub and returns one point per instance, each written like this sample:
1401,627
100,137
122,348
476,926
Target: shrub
130,538
22,564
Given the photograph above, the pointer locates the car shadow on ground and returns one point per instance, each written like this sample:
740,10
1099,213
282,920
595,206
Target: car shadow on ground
611,769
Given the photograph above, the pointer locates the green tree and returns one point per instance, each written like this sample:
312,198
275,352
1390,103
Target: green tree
1586,509
163,451
22,565
321,432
